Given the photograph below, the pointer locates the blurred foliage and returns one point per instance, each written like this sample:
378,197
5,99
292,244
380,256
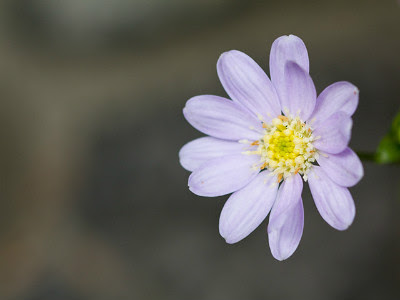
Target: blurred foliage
388,150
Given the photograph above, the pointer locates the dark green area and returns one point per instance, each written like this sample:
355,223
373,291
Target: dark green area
388,150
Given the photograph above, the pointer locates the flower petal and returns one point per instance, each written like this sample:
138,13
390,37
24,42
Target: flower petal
334,202
340,96
223,175
221,118
289,193
344,168
247,208
284,239
246,83
334,133
284,49
298,91
198,151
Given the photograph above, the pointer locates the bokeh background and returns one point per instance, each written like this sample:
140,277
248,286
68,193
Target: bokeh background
93,201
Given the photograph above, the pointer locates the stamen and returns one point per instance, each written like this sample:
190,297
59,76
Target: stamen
283,118
280,177
255,143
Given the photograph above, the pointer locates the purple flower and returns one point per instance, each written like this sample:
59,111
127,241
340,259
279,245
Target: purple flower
266,139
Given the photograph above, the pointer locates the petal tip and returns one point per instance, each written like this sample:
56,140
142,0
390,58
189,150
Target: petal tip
230,241
289,36
227,54
294,37
226,234
222,56
343,226
193,188
281,254
281,257
185,111
346,223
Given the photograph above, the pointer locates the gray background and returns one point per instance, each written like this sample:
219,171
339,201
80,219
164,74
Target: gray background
93,201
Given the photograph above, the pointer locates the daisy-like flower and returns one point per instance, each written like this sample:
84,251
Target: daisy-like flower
270,137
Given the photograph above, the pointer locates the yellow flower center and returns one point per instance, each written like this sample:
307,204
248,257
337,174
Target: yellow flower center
286,147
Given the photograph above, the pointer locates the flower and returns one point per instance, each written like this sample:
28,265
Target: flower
270,136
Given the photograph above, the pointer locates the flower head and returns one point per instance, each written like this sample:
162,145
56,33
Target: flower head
270,137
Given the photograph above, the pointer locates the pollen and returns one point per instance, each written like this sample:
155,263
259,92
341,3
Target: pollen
287,147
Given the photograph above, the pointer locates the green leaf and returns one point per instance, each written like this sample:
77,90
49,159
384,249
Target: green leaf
389,148
396,128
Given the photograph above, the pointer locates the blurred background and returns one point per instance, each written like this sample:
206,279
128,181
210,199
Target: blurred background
93,201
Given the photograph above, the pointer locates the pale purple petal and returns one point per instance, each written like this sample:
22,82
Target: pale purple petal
246,83
221,118
340,96
284,239
334,202
344,168
299,91
334,133
198,151
284,49
289,193
247,208
223,175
